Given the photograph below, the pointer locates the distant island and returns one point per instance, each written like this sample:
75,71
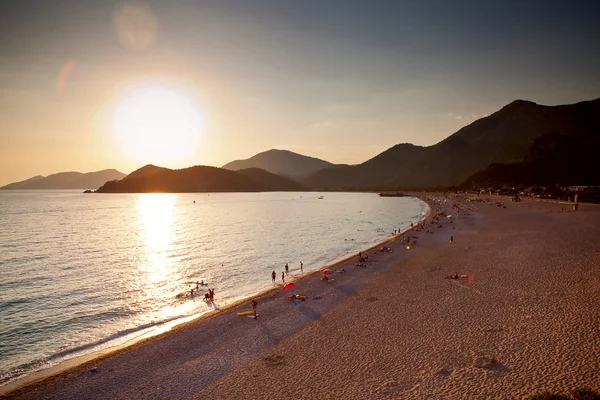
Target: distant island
151,178
67,180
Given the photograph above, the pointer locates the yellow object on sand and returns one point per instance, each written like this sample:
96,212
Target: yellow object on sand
245,313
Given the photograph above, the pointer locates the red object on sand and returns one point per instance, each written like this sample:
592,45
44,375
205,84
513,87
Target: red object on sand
327,272
289,285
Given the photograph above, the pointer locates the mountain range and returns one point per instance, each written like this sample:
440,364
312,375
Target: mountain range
504,137
523,143
67,180
199,178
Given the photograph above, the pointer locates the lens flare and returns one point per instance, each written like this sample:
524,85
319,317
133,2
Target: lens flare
136,25
64,74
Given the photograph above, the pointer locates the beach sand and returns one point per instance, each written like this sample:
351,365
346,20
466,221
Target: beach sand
527,321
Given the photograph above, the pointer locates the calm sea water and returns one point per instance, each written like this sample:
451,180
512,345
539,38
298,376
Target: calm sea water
82,272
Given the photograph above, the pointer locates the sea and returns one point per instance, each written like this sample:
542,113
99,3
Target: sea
82,273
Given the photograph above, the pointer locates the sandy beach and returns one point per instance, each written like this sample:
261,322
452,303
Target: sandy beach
526,320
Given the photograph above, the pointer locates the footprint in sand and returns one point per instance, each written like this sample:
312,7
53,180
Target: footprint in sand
494,330
274,360
445,373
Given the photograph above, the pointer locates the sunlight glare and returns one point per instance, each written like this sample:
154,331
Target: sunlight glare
156,214
158,273
158,125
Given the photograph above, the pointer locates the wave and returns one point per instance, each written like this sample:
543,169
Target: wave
113,337
45,362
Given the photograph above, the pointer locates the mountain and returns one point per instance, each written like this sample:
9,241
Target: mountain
151,178
68,180
276,182
552,159
281,162
503,137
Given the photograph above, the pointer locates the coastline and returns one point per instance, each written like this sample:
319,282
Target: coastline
396,329
78,362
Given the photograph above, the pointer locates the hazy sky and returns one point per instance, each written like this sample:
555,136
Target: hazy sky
341,80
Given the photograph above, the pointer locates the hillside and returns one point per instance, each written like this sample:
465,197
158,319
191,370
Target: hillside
503,137
272,181
552,159
67,180
198,179
281,162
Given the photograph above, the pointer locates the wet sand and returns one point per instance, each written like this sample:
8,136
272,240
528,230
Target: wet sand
529,320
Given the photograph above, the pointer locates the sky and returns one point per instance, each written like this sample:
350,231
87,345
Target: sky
341,80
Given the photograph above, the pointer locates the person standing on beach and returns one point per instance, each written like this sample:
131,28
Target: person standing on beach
253,305
273,275
451,239
282,276
286,268
301,266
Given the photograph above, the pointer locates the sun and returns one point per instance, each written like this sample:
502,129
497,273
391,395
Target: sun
158,125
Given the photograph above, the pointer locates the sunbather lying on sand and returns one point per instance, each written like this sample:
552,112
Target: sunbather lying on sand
455,276
297,297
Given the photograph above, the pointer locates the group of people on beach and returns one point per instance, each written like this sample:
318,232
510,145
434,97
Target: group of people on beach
284,273
210,295
407,240
362,259
192,291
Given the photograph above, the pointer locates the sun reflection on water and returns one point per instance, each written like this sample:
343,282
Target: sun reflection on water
156,273
156,214
161,294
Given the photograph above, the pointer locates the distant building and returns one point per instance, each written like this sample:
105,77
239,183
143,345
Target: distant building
577,188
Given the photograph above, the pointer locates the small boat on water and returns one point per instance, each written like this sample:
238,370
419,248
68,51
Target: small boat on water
321,197
391,194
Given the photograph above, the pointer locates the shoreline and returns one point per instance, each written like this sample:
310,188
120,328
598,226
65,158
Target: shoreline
397,329
526,323
64,367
